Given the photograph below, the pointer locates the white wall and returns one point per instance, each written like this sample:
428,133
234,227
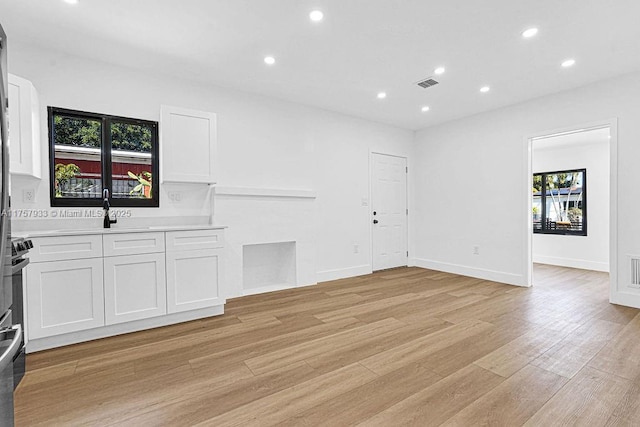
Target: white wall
262,143
589,252
468,167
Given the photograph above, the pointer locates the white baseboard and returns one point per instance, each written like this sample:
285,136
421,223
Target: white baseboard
341,273
269,288
626,299
572,263
273,288
480,273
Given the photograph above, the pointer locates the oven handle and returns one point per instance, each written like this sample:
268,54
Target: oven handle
7,357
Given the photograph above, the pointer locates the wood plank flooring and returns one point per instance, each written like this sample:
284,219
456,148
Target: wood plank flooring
399,347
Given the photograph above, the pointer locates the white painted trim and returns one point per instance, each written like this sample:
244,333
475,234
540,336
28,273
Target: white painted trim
626,299
480,273
572,263
341,273
612,124
528,220
305,285
613,218
265,289
122,328
272,288
229,190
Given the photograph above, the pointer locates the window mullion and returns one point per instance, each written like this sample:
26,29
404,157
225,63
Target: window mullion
543,197
106,156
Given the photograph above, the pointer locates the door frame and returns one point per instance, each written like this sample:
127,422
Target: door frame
369,210
612,124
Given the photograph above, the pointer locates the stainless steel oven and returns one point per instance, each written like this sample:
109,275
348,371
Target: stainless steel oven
19,250
10,333
10,341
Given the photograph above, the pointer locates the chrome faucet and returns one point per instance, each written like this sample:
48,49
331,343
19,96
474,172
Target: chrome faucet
105,205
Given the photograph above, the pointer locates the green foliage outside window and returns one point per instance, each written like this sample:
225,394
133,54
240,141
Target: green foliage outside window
77,132
144,183
63,173
88,133
130,137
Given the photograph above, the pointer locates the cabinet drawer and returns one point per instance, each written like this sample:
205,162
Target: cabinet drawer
133,243
62,248
194,239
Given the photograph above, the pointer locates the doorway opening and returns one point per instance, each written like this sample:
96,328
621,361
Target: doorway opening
571,206
389,223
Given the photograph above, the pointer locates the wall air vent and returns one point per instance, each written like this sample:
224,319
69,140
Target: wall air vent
427,83
635,271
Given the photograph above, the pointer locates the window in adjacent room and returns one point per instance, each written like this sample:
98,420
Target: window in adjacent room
92,152
560,202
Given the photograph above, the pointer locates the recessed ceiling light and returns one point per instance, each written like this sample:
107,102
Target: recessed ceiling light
71,1
316,16
568,63
425,109
382,95
530,32
269,60
485,89
439,70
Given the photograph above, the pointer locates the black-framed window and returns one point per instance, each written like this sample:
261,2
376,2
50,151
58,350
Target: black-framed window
560,202
91,152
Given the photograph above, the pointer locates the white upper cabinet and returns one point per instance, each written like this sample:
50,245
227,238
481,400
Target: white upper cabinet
24,128
188,145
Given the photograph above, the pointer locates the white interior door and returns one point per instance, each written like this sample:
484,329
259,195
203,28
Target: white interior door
389,211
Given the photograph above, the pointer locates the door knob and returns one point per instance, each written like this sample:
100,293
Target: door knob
375,221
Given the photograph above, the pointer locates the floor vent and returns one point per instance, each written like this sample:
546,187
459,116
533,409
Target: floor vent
427,83
635,271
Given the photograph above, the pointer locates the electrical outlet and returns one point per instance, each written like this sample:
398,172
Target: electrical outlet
29,195
175,196
356,248
476,250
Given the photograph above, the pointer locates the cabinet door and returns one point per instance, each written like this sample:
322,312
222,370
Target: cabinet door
188,145
194,279
64,296
134,287
24,128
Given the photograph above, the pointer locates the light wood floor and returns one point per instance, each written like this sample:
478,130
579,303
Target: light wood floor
400,347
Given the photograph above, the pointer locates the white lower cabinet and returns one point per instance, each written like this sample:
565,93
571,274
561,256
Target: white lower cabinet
64,296
193,279
134,287
82,287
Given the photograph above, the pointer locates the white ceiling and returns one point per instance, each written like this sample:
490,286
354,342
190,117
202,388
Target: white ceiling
361,48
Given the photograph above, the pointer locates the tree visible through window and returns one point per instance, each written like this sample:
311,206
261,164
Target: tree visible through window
92,152
560,202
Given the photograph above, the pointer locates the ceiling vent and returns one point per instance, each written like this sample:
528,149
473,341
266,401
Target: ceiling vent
427,83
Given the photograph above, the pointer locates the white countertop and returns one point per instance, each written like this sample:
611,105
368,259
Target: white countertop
114,230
